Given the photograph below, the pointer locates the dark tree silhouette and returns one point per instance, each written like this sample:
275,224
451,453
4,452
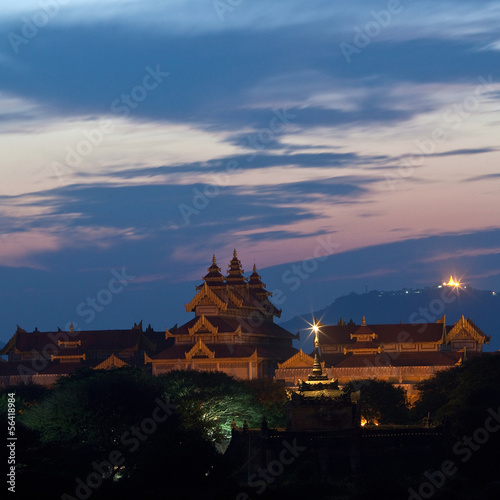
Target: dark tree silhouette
381,401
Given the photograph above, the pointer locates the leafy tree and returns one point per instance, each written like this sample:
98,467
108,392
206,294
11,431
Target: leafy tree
92,406
467,400
26,395
381,401
215,399
91,414
462,394
270,395
434,393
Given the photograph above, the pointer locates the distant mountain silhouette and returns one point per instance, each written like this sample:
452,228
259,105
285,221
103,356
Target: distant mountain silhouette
408,306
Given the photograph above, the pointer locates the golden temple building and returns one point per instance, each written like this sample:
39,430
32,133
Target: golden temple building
232,330
42,357
403,354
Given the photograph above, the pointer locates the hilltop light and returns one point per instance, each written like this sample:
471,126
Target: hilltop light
453,283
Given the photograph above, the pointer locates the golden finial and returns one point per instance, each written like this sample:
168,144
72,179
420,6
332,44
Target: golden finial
71,327
213,260
363,321
234,253
254,268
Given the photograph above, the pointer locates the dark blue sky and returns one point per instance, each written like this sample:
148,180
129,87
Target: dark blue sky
146,136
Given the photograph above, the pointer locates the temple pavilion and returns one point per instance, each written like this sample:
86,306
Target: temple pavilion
403,354
232,329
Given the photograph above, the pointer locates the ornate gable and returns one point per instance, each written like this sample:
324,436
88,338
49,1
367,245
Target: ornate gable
203,324
205,293
299,360
363,333
466,330
11,344
111,362
200,349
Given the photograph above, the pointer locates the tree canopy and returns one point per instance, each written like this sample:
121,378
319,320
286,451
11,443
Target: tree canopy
381,402
462,395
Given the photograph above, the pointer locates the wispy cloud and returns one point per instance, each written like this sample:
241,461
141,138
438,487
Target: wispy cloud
72,194
464,252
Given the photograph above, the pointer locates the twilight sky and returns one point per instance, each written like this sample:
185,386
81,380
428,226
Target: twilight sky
139,137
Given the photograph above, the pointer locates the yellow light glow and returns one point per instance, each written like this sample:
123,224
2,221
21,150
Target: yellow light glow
453,283
313,327
363,421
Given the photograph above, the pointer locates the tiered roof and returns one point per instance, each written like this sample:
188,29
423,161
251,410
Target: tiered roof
256,285
235,272
214,277
234,292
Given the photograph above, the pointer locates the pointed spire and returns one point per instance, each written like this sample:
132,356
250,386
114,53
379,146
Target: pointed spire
255,283
317,372
363,321
214,276
235,271
254,279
